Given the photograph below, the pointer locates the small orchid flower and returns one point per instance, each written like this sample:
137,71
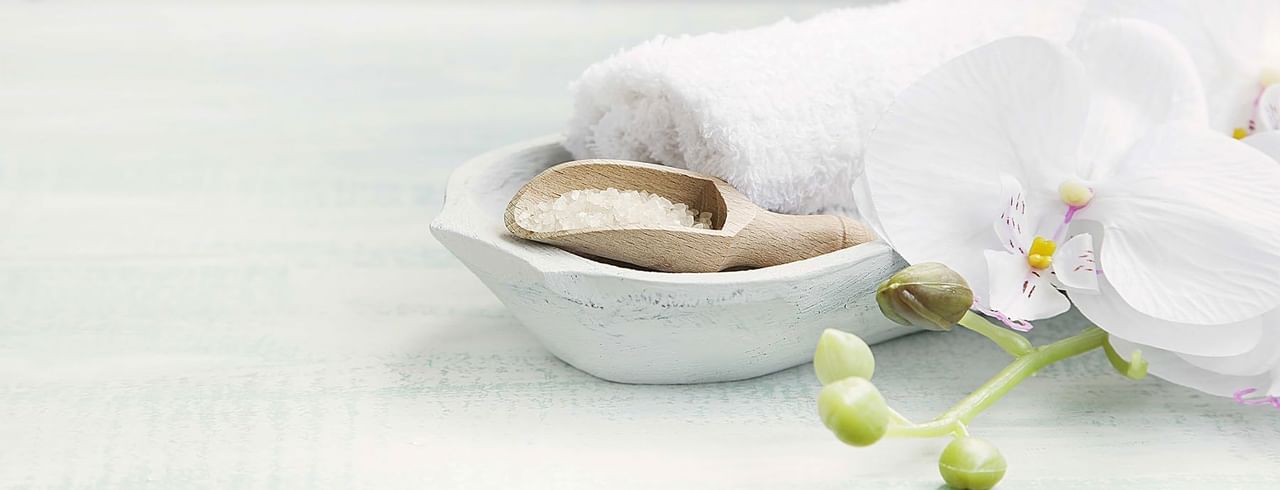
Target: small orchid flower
1024,278
1107,143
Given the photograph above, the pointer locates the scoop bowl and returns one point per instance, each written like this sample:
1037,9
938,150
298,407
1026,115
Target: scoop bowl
742,234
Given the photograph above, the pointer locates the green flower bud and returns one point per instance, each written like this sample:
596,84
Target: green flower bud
841,355
970,463
854,410
928,295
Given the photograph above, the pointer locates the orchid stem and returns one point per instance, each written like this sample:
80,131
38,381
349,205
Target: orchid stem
1134,368
1013,343
1024,365
897,418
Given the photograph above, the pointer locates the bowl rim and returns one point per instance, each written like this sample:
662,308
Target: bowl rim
550,259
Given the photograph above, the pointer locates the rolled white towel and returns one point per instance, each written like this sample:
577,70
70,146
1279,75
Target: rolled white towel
782,111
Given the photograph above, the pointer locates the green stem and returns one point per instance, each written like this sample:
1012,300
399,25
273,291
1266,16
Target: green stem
1013,343
1022,367
897,418
935,428
1134,368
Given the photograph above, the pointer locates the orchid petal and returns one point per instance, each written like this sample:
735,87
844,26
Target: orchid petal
1013,107
1189,220
1267,142
1074,264
1111,313
1171,367
1263,357
1140,77
1013,228
1019,292
1229,44
866,209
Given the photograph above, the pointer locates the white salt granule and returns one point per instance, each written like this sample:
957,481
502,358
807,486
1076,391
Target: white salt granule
610,208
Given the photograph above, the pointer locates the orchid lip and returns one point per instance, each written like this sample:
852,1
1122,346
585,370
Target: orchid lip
1041,254
1264,111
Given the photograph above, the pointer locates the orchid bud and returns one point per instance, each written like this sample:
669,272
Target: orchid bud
841,355
971,463
854,410
928,295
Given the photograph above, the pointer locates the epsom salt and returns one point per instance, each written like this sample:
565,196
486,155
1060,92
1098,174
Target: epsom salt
610,208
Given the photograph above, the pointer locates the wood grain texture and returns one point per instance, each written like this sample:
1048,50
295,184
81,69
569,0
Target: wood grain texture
215,272
742,234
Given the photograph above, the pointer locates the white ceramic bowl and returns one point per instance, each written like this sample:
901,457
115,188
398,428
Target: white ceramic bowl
638,326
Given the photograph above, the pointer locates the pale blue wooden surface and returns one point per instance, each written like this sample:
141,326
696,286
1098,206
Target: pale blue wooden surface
215,271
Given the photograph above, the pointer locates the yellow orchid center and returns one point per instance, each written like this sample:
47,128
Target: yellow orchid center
1239,133
1041,254
1075,193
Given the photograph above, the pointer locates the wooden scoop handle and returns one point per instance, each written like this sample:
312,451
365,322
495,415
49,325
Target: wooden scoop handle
773,239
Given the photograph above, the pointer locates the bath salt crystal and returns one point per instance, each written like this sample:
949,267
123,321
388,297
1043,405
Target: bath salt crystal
611,208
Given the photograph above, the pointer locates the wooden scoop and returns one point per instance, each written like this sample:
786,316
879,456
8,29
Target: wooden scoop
742,234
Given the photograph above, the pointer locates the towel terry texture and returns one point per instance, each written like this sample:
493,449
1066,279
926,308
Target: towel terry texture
782,111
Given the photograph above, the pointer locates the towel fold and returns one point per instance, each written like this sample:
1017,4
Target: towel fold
782,111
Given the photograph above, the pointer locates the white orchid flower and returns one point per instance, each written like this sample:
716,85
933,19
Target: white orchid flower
1108,137
1235,45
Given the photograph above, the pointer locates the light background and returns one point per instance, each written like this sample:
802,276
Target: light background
215,271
